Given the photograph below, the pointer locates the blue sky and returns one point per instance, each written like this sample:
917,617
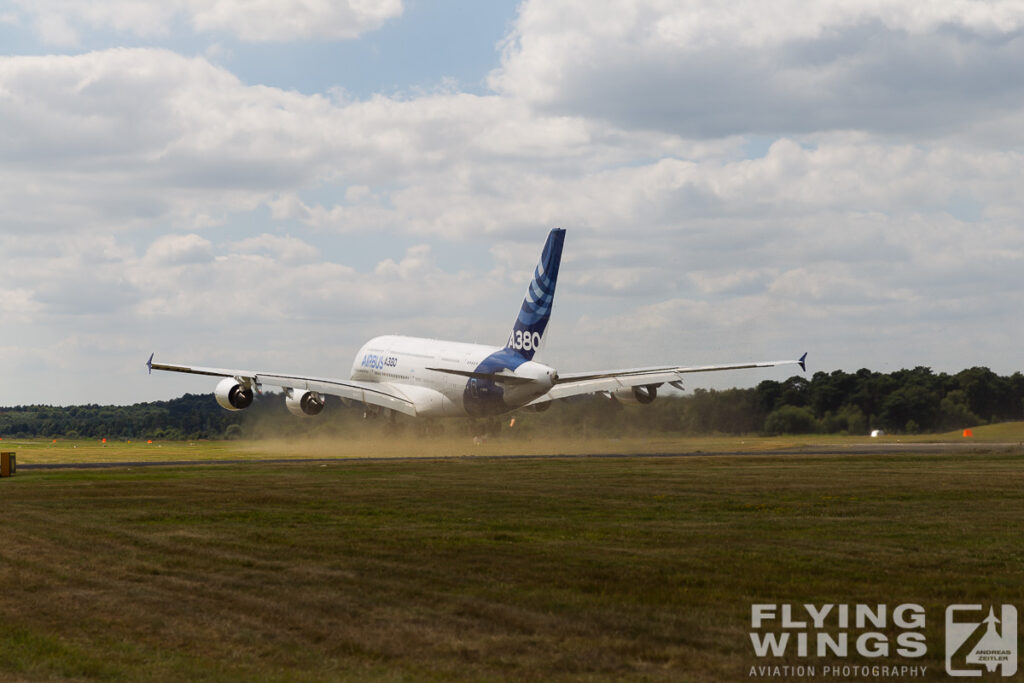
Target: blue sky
431,44
269,185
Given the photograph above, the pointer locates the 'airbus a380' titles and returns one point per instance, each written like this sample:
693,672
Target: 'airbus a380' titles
428,377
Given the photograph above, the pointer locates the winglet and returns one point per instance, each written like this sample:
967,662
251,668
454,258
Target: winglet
149,363
802,362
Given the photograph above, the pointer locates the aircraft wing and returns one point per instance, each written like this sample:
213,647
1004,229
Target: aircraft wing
574,384
384,395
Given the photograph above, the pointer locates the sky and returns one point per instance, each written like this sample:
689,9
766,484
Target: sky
268,184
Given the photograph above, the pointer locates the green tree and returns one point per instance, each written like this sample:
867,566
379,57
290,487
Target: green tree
791,420
955,413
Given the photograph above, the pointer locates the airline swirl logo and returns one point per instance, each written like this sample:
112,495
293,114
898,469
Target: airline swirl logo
539,297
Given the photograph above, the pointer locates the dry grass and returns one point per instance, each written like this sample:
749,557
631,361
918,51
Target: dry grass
609,568
371,445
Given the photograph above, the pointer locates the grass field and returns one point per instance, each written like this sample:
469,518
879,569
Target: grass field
537,569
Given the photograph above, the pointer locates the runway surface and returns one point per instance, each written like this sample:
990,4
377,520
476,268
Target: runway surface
857,449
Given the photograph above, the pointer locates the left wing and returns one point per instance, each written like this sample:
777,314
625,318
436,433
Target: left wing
378,394
574,384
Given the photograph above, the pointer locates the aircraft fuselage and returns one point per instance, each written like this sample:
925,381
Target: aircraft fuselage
438,375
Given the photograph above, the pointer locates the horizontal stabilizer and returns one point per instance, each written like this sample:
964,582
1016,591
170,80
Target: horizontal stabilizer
489,376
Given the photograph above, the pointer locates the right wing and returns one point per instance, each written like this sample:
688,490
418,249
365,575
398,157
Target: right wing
574,384
378,394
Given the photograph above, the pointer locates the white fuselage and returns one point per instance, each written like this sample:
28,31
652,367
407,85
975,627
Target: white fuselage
416,368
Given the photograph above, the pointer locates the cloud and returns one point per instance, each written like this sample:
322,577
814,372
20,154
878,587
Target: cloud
128,137
416,264
54,29
60,22
179,250
122,140
768,68
286,249
17,304
123,136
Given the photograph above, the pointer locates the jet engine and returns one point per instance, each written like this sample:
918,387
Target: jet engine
637,395
303,403
232,395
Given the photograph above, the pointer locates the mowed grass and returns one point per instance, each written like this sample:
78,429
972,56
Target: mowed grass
536,569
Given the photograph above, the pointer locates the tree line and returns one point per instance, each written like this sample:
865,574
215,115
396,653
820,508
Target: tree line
904,401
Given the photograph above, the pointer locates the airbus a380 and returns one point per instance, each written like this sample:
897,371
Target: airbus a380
428,377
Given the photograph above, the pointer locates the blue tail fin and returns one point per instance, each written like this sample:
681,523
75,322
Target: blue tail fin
528,332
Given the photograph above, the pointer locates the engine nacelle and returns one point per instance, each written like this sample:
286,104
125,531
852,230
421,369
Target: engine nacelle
303,403
232,395
637,395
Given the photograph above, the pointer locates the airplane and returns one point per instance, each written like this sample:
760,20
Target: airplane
433,378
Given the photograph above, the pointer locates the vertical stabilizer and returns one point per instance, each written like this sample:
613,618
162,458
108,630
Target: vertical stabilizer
528,332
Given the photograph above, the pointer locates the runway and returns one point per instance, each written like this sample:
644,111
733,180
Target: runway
825,450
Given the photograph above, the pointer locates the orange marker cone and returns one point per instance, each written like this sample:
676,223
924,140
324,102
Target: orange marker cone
967,433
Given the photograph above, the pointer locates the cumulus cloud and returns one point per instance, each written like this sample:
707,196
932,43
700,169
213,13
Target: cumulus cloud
286,249
120,137
416,264
123,136
770,68
177,250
